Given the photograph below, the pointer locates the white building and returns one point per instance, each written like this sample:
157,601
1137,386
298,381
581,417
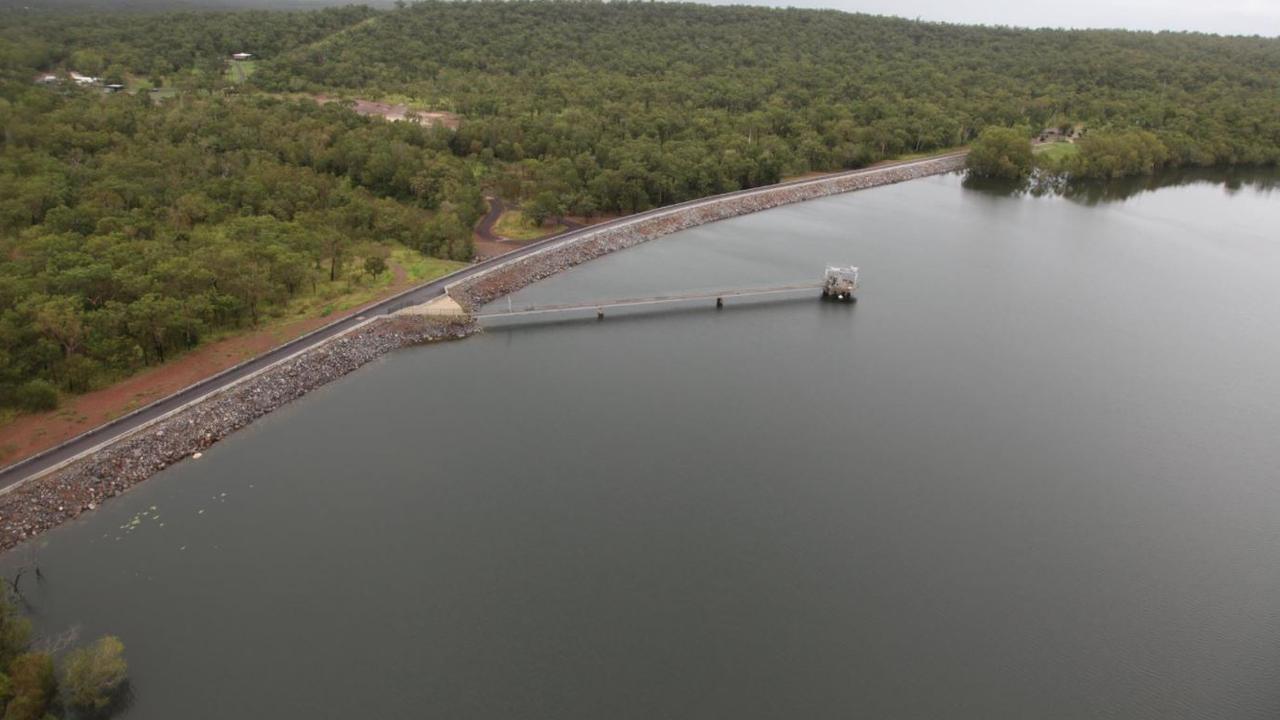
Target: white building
241,56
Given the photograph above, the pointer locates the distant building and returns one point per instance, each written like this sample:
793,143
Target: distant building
241,56
47,79
83,79
114,87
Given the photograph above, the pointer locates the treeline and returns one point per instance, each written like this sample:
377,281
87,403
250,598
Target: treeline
1006,154
160,46
131,227
1117,154
625,105
89,682
131,230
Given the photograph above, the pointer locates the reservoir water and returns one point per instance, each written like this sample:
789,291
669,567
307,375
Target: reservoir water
1033,473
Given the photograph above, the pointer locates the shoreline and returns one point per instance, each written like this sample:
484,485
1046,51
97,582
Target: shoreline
505,278
64,494
67,491
29,435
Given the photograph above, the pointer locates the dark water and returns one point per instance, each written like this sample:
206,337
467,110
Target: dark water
1034,473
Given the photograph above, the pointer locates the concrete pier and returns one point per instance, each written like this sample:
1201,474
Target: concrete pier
657,302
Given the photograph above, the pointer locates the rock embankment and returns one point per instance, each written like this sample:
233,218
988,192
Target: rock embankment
63,494
507,278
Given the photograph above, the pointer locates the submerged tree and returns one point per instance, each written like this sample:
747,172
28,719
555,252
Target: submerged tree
32,686
15,630
93,676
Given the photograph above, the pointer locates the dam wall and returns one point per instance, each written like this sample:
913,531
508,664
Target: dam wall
484,287
81,485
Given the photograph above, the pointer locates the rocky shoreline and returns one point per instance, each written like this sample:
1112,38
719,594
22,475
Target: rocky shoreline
61,495
480,289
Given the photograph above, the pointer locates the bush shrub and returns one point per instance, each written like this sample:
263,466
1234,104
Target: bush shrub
36,395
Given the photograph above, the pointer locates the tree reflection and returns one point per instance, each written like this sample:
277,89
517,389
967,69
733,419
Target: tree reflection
1094,192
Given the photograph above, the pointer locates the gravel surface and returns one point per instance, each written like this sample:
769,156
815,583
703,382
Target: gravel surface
57,497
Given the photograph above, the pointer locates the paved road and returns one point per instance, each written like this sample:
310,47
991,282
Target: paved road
484,230
36,464
497,206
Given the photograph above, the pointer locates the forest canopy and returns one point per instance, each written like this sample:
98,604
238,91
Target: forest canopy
196,201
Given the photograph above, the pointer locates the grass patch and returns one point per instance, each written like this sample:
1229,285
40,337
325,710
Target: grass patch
1056,151
161,94
353,289
356,288
1056,156
804,176
419,267
414,104
512,225
137,84
239,71
929,153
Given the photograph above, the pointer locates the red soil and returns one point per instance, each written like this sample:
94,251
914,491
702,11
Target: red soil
27,435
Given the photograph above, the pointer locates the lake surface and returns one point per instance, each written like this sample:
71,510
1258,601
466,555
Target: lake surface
1033,473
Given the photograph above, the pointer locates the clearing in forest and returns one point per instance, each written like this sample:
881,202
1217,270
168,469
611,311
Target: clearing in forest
395,112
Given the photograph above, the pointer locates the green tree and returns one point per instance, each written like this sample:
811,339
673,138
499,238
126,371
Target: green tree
1119,154
375,265
544,205
36,395
1003,153
93,675
211,211
15,630
62,320
33,685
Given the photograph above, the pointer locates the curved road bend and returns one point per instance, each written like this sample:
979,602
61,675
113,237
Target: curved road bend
484,230
35,465
497,206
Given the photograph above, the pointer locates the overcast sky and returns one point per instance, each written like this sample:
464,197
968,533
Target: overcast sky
1230,17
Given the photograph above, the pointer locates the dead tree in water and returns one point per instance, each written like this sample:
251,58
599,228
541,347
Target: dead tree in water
32,564
55,644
